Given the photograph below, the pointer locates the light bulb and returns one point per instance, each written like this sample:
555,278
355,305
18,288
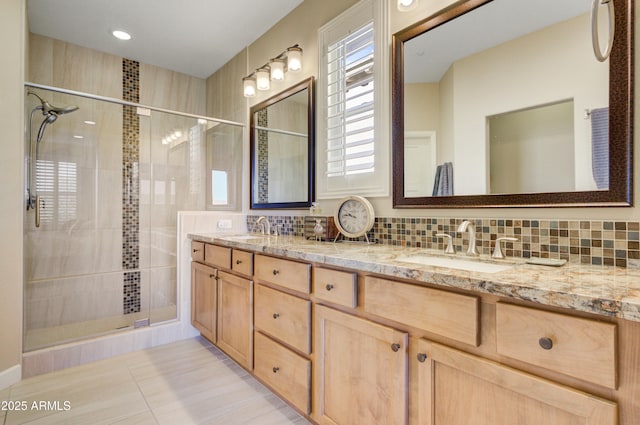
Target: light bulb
249,86
277,69
294,58
262,79
406,5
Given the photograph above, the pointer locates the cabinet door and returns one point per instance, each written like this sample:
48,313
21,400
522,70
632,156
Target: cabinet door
235,318
456,388
360,371
204,291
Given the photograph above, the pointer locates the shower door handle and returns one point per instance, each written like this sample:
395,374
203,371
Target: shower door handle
37,210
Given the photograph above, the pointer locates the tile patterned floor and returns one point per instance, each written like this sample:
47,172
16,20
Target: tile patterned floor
187,382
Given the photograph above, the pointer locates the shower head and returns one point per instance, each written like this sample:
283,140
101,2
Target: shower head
48,109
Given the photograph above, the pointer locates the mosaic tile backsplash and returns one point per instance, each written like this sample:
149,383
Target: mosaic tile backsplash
610,243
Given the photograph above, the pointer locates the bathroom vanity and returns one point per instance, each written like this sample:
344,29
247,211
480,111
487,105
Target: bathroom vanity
369,334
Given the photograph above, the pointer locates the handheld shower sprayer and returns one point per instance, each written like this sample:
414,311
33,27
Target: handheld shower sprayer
51,114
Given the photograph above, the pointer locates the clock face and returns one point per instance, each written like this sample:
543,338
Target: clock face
354,216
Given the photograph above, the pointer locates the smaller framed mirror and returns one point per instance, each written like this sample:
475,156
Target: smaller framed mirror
282,143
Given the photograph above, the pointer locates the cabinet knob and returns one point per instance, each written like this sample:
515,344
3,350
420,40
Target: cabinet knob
395,347
276,315
275,369
211,276
422,357
275,271
238,261
195,250
546,343
329,287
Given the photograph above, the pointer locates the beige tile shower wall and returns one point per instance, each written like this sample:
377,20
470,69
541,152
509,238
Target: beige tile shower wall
168,89
60,64
224,90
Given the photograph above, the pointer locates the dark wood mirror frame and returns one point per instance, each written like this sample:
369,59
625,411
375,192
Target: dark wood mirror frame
307,84
620,191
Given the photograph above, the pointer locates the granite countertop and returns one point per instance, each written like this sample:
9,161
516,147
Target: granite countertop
605,290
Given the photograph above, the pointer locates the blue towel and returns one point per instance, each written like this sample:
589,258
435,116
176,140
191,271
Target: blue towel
600,147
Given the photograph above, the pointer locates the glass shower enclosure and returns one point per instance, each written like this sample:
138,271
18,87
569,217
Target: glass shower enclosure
106,180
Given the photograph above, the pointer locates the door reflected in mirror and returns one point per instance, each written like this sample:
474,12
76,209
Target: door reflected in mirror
517,103
282,146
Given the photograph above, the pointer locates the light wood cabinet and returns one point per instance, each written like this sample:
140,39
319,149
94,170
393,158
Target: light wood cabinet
285,273
360,371
204,293
457,388
235,318
285,317
453,316
217,256
197,251
578,347
336,287
286,372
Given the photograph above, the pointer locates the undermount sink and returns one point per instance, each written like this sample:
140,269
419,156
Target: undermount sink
245,238
455,263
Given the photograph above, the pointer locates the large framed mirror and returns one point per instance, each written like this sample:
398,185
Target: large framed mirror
502,103
282,144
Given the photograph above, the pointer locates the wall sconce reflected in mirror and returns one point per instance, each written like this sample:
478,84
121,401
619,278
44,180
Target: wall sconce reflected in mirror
274,70
407,5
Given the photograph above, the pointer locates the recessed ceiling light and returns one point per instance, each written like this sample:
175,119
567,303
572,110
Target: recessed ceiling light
121,35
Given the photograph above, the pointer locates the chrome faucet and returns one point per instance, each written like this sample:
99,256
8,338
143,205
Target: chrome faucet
469,227
264,224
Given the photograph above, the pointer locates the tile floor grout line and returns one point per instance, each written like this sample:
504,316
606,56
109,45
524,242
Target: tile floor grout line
146,402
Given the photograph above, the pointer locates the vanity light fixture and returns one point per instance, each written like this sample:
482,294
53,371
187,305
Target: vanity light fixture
262,78
277,69
121,35
407,5
249,86
274,70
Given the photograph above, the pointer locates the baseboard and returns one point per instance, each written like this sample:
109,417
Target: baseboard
10,376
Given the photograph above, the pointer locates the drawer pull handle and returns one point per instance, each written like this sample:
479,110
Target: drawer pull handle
275,271
275,369
329,287
545,343
238,261
276,315
395,347
422,357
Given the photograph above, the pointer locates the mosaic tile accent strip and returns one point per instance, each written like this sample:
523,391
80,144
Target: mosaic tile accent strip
263,157
131,299
131,185
609,243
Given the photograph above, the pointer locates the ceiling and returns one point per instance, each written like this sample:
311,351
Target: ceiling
195,37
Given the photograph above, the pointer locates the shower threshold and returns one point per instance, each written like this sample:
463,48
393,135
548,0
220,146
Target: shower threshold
36,339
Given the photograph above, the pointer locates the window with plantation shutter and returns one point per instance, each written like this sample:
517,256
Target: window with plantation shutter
350,102
353,140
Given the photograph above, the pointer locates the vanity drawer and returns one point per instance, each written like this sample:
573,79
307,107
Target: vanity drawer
283,370
335,286
197,251
217,256
581,348
283,316
242,262
286,273
451,315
